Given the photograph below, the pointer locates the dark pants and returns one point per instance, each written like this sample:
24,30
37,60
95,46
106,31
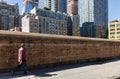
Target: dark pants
22,66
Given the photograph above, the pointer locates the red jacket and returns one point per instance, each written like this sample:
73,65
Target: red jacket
21,54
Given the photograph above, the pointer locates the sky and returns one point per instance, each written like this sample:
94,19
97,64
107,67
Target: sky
114,12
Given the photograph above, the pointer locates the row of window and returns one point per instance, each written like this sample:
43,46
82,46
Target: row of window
8,12
114,37
114,33
118,25
114,29
51,15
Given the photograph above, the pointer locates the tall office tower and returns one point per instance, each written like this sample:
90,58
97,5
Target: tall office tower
29,5
73,12
55,5
9,16
94,18
47,4
62,6
72,7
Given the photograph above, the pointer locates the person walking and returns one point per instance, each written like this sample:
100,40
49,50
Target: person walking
21,60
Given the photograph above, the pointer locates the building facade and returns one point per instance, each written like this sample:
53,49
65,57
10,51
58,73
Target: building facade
94,12
62,6
9,16
72,7
30,23
55,5
114,30
75,25
45,21
46,4
29,5
72,10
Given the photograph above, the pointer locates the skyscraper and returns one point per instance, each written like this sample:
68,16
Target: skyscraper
62,6
93,17
47,4
72,10
55,5
29,5
72,7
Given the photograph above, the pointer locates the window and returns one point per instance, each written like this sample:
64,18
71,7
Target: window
118,25
112,37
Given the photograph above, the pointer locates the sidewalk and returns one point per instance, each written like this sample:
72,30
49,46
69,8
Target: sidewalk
100,70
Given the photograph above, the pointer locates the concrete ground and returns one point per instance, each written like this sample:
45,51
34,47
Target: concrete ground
98,70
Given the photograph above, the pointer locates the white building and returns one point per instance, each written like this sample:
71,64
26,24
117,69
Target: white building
30,23
45,21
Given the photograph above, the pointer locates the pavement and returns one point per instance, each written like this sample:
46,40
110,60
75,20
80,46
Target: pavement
109,69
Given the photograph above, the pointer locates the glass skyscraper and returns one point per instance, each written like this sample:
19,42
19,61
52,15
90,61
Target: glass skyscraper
94,18
62,6
55,5
29,5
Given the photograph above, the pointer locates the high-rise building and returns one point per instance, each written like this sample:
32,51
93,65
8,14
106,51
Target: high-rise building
9,16
72,7
94,15
55,5
46,4
72,10
62,6
29,5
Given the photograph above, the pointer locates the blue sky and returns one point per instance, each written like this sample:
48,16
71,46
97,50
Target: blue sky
114,12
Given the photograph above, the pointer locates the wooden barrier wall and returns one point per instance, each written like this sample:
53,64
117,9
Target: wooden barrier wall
46,50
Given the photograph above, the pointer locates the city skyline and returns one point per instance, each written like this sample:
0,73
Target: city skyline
113,8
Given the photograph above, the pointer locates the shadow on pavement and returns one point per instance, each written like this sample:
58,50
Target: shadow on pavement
117,78
48,72
11,76
32,74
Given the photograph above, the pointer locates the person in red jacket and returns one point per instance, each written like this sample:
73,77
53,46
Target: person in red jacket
21,60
